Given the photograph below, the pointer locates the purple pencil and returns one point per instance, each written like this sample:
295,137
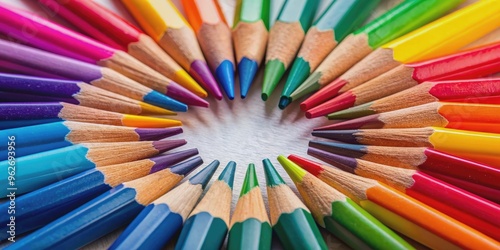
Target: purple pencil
60,111
63,41
19,88
105,78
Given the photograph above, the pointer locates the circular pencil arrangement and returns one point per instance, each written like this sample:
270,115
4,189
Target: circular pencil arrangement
413,146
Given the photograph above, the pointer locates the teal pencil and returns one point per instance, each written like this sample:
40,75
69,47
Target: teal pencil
335,23
159,221
285,38
38,170
290,218
207,226
107,212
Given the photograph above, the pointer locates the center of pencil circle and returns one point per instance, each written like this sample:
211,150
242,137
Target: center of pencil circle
247,131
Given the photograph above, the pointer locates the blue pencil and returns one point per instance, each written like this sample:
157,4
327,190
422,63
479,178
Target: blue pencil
38,208
18,88
44,137
159,221
104,214
38,170
207,226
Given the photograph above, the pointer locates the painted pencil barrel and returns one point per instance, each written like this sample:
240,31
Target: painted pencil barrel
250,234
296,229
215,228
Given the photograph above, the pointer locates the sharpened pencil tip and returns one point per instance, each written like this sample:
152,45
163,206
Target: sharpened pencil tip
272,176
272,75
184,168
225,75
199,69
247,69
250,181
346,163
160,100
204,176
293,170
298,73
284,102
167,160
166,145
348,136
312,167
354,112
150,134
227,174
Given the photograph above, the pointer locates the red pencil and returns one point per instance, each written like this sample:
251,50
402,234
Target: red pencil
483,90
470,64
474,211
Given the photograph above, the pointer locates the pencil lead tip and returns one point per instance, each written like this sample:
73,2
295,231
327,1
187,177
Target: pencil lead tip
310,85
199,69
323,95
348,136
298,73
293,170
284,102
225,75
166,145
351,150
341,102
354,112
343,162
149,134
160,100
250,181
184,168
272,176
247,69
204,175
273,72
227,174
167,160
311,166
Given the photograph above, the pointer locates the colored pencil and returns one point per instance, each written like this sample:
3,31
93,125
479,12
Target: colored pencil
163,218
368,192
274,11
166,25
250,228
405,225
489,193
340,215
470,91
478,146
105,213
285,38
337,21
207,225
290,218
214,36
250,32
401,19
46,204
31,61
43,137
465,65
38,170
439,38
464,116
419,158
107,27
74,92
70,112
474,211
60,40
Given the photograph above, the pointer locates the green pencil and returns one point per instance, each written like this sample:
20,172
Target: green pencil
206,227
250,228
340,215
285,38
290,218
405,17
335,23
